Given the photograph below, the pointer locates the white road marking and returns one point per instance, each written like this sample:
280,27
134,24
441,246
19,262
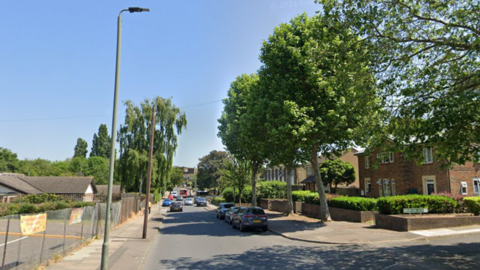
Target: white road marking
13,241
443,232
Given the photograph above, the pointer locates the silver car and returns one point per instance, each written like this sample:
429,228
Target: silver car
188,201
250,217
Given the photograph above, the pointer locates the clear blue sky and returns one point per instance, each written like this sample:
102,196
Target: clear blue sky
57,66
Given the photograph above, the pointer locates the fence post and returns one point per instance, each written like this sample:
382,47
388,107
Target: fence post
64,228
43,244
6,242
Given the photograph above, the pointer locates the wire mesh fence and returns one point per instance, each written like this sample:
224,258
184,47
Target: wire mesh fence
65,230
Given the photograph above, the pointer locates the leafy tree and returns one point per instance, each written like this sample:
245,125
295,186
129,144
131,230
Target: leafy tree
60,168
36,167
8,161
241,126
336,172
235,174
78,166
98,168
428,70
81,148
321,92
101,144
210,169
176,178
134,138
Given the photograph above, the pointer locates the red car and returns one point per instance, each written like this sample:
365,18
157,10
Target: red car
170,196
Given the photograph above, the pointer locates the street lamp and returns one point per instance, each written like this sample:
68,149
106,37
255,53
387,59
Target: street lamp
106,239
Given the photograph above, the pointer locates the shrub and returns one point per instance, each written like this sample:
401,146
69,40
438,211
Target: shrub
247,194
228,194
27,208
458,198
218,200
272,190
300,195
472,204
354,203
434,203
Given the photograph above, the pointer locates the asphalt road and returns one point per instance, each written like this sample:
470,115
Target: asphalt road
195,239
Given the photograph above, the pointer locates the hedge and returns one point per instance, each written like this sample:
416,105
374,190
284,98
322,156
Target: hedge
246,194
272,190
472,204
354,203
218,200
436,204
299,195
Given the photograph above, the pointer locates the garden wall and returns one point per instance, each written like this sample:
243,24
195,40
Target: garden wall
405,223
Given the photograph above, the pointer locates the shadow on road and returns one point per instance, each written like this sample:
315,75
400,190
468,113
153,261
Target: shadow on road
461,256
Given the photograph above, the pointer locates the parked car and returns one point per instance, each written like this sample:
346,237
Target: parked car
250,217
167,202
201,201
222,208
188,201
174,194
179,199
230,214
176,206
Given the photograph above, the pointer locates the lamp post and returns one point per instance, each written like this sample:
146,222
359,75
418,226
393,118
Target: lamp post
106,239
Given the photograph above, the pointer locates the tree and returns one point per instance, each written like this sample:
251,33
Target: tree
134,138
101,144
241,126
428,70
78,166
210,169
81,148
98,168
176,178
321,93
8,161
335,172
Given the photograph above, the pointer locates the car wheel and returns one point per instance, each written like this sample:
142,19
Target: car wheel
233,224
241,227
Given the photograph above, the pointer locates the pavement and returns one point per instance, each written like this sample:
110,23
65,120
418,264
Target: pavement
127,249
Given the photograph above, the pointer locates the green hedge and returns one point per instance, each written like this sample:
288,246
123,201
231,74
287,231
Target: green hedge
7,209
246,194
218,200
354,203
472,204
299,196
436,204
272,190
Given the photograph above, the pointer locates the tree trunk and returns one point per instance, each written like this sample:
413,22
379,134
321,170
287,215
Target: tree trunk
254,184
289,209
324,213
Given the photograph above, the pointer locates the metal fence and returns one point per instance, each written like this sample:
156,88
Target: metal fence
21,251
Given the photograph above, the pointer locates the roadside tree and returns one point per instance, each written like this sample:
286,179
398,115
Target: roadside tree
336,172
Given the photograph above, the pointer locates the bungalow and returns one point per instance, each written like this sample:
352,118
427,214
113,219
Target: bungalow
398,176
79,188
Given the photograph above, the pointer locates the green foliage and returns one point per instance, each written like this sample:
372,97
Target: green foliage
354,203
36,199
218,200
81,148
98,167
26,208
336,172
300,195
176,178
247,195
8,161
228,194
101,143
272,190
436,204
472,204
211,169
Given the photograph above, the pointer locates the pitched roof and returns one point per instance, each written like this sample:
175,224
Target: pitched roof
15,182
61,185
310,179
103,189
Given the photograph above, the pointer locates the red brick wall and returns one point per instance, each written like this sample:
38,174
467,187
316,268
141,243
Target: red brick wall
464,173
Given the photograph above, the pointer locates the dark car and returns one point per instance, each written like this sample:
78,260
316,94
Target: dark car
223,208
250,217
199,201
179,198
176,206
230,214
166,202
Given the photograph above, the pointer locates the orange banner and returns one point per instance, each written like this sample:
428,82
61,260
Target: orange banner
76,216
33,223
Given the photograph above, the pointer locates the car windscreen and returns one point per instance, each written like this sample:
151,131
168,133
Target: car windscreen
256,211
200,199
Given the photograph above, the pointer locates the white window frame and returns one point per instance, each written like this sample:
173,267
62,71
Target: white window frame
426,179
367,162
394,192
427,156
308,169
391,156
464,188
368,185
380,188
386,187
476,186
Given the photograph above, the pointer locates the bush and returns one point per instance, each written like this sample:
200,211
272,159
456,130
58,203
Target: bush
435,204
228,194
354,203
27,208
247,194
218,200
472,204
272,190
458,198
300,195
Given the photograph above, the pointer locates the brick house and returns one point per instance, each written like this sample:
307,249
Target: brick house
397,176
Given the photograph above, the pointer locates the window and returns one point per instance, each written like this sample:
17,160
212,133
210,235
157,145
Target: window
380,189
476,185
385,157
367,162
394,193
464,188
309,170
368,185
386,187
427,155
391,157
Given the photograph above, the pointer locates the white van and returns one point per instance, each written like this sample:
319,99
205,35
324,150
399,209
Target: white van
174,193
